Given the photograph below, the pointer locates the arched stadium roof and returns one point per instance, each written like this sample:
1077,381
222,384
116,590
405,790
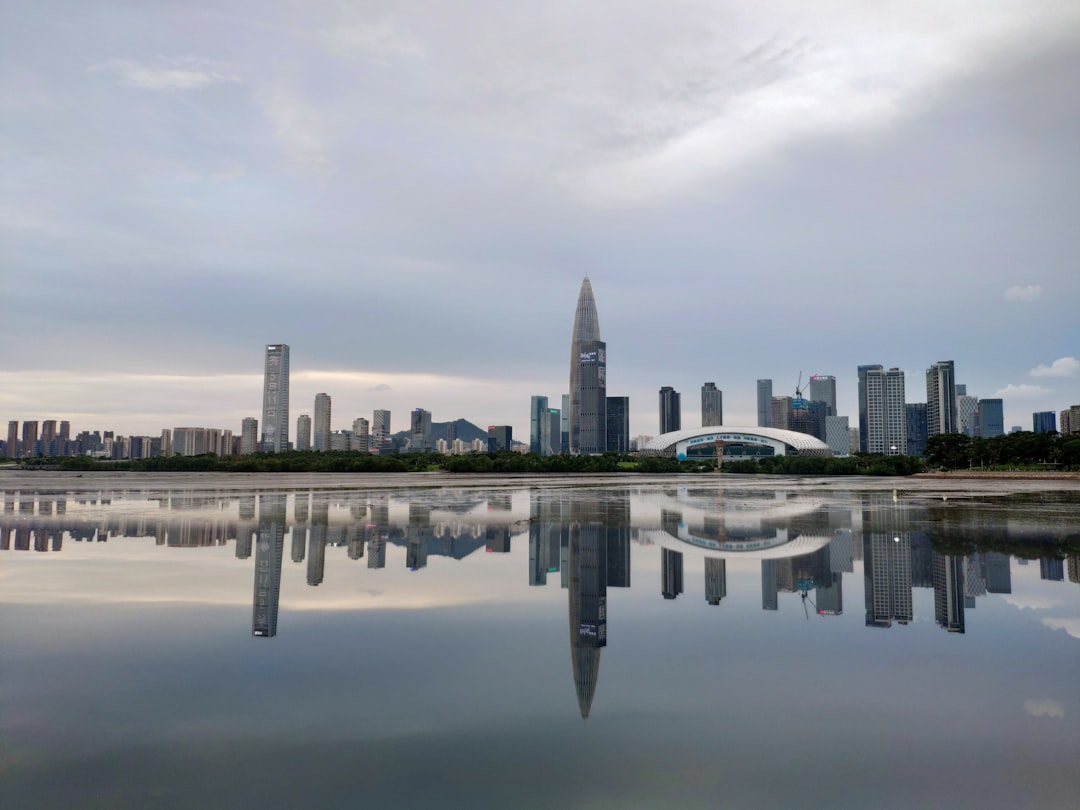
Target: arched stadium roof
783,442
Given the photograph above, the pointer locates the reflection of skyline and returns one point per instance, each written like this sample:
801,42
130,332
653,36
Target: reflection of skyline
810,544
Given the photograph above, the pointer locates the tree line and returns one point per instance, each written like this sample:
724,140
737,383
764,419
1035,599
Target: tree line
1020,450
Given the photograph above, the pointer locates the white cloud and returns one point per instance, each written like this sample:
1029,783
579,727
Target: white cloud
185,73
1044,708
1023,293
1022,391
1032,602
1062,367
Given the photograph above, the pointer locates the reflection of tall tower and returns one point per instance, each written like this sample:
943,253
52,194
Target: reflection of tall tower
671,573
320,524
887,576
268,551
587,564
769,598
949,592
587,417
715,580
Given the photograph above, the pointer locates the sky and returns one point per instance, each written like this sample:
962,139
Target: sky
409,196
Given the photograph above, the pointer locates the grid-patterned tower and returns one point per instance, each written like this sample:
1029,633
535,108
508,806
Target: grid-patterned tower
275,411
588,377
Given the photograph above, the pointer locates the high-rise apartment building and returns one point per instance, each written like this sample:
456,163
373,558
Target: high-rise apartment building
715,579
1068,420
275,411
320,437
588,378
29,439
670,410
779,411
991,418
420,429
1041,422
863,371
249,435
764,403
886,415
13,439
823,389
618,424
941,415
712,405
303,432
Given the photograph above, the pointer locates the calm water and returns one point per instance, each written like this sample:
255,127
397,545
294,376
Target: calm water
188,641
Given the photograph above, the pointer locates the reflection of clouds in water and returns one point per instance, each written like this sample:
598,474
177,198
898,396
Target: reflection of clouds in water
1070,626
1026,602
1044,708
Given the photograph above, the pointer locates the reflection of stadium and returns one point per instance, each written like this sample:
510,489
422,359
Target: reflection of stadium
738,442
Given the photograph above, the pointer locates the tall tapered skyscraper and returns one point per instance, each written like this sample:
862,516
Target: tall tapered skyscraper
588,378
275,413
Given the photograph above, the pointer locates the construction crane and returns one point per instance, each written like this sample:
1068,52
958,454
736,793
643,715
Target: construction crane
798,387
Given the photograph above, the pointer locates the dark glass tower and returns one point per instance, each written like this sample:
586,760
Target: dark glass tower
268,552
588,378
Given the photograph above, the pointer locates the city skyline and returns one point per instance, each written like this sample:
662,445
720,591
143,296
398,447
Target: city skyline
175,202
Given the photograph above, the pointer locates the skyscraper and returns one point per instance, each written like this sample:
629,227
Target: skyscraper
321,433
991,418
29,439
671,573
303,432
916,428
275,411
823,389
881,394
420,429
587,585
1041,422
967,414
564,425
361,435
380,429
764,403
712,405
670,410
715,580
538,414
863,371
618,424
941,416
13,438
249,435
500,438
588,378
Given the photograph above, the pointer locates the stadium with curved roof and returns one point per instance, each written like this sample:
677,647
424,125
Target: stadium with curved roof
738,442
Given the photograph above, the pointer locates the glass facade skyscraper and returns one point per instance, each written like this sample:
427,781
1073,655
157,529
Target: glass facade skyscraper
712,405
941,412
588,378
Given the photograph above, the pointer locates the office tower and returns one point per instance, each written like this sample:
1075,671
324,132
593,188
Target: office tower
807,416
998,573
837,435
618,424
882,394
592,404
275,411
303,432
29,439
823,389
538,417
1041,422
588,378
550,432
670,410
941,415
500,438
320,435
779,411
268,552
715,579
380,429
764,403
887,577
991,418
564,425
249,435
712,405
863,434
361,435
671,573
916,428
967,415
419,430
13,439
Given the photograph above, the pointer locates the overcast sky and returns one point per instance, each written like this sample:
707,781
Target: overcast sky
409,194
